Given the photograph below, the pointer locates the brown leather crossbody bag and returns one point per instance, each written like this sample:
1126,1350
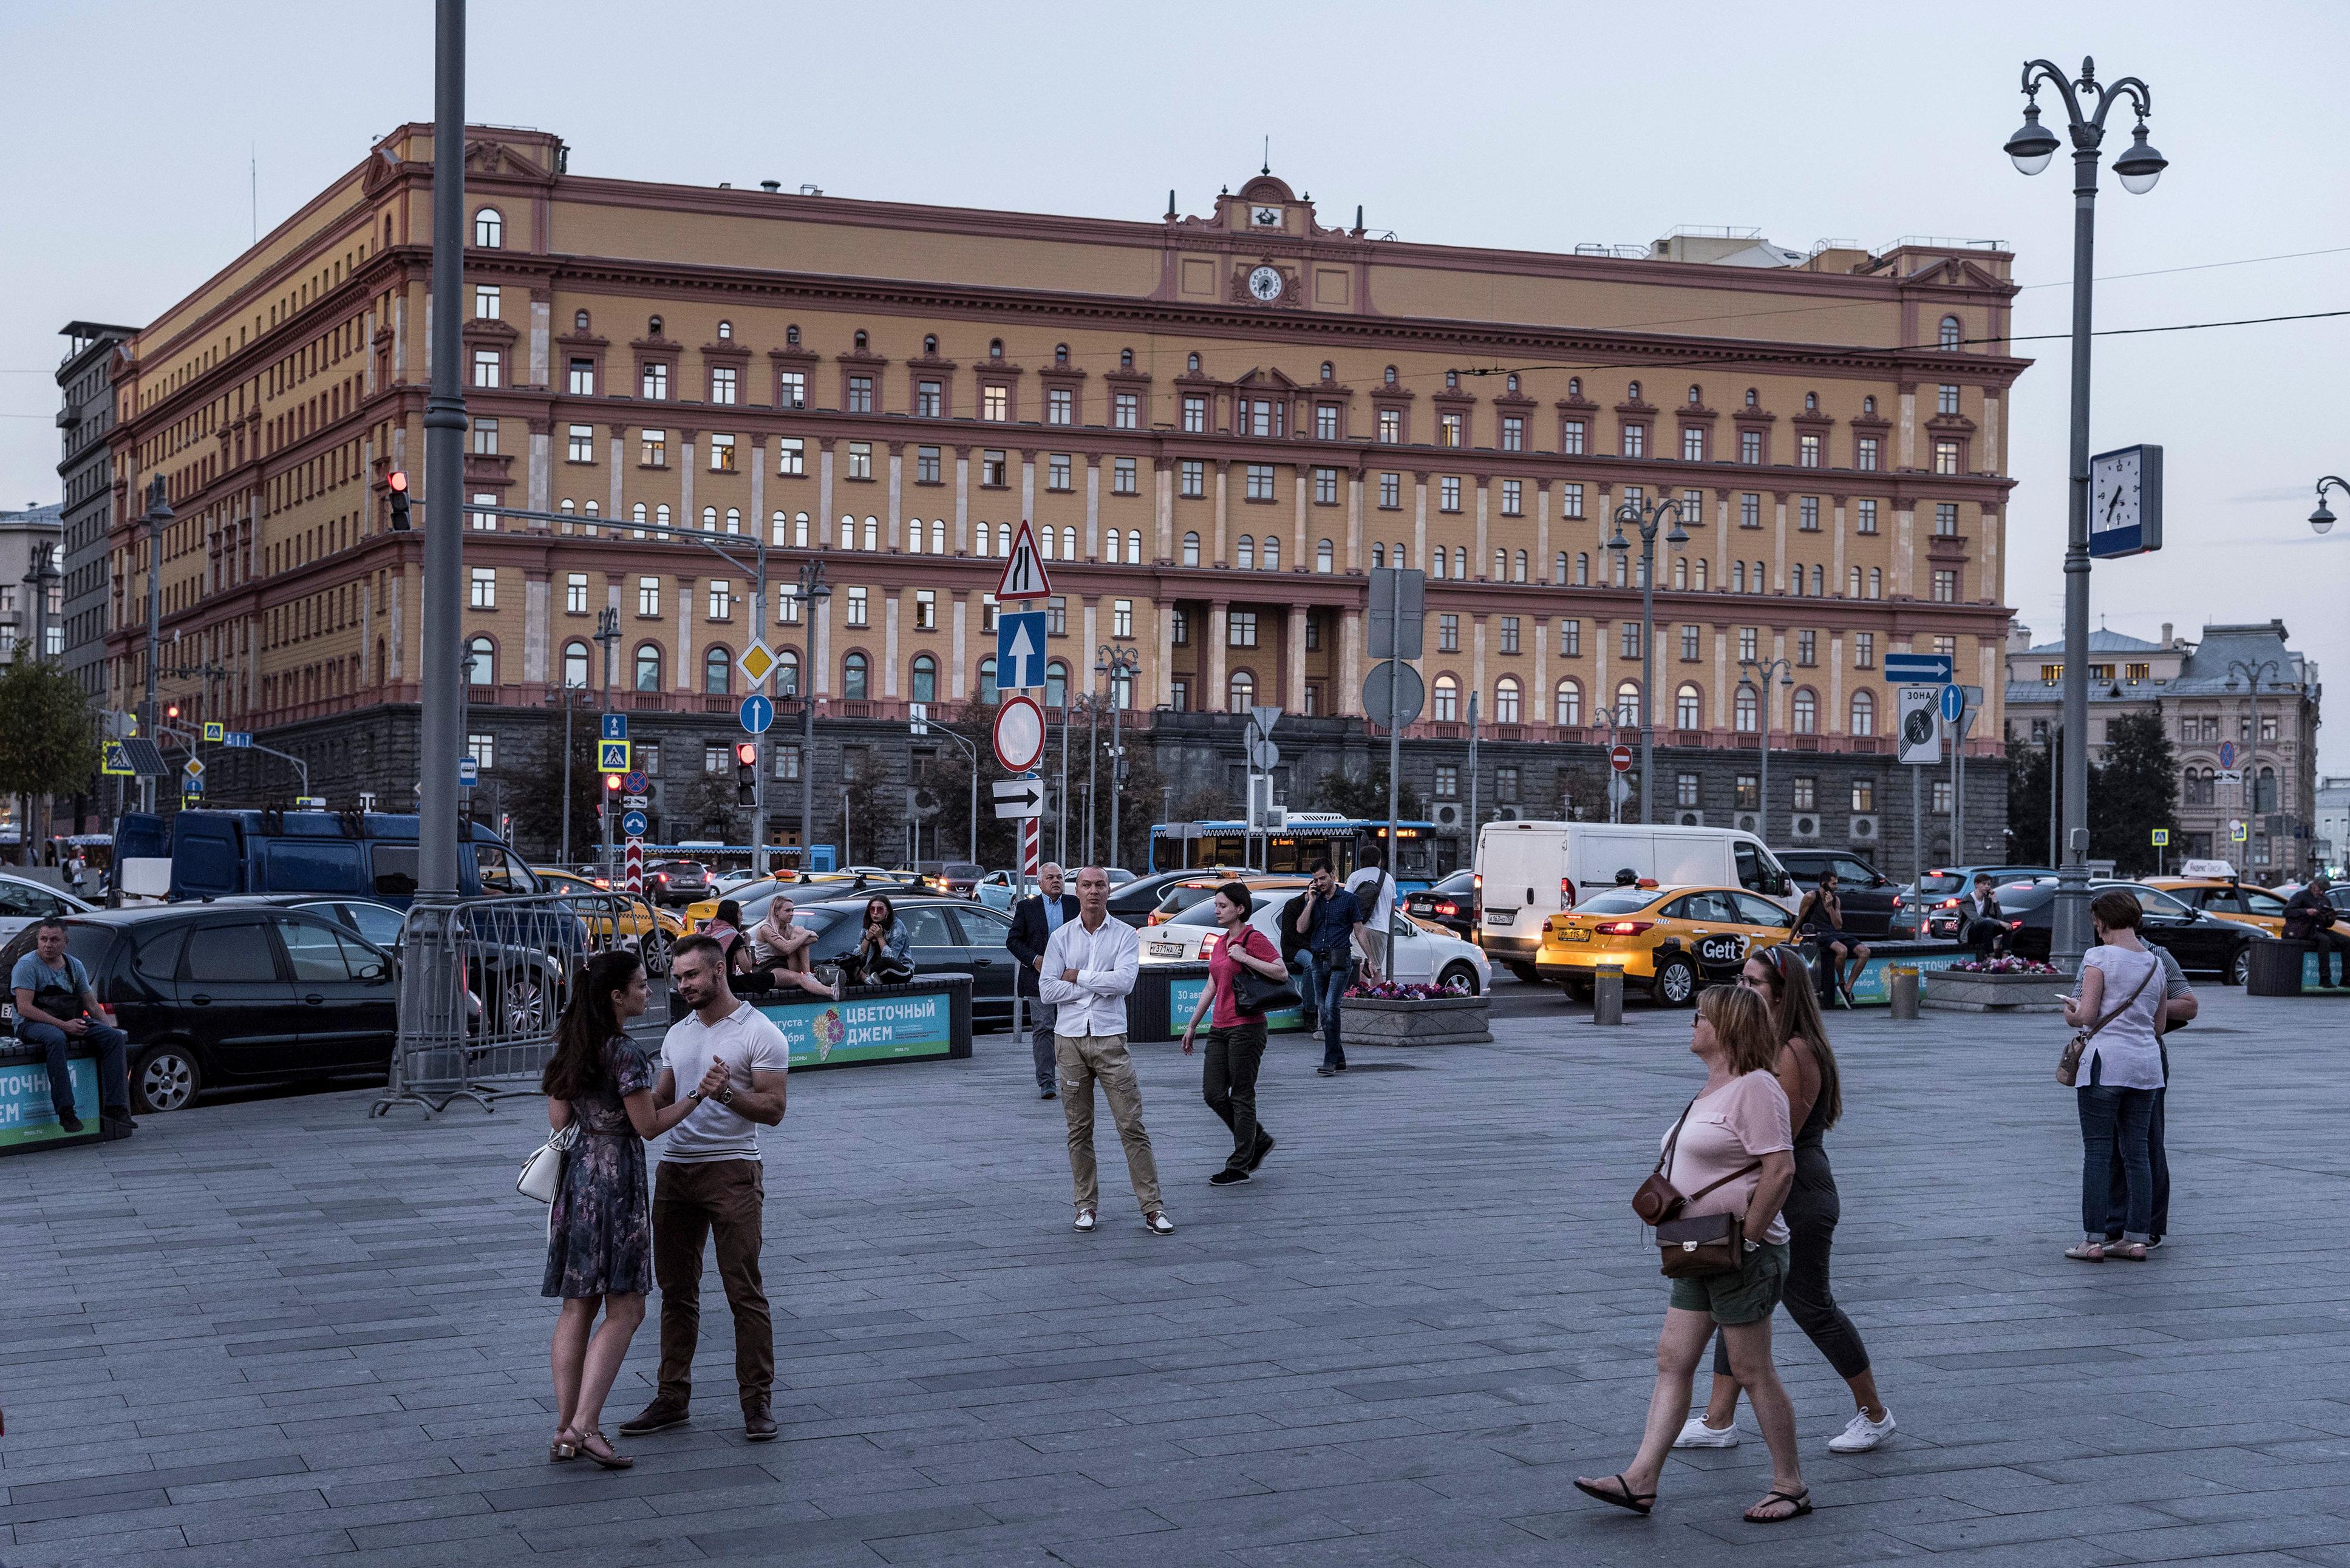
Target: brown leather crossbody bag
2068,1066
1703,1243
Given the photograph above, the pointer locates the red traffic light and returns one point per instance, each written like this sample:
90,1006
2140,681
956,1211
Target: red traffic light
612,783
396,483
172,711
746,753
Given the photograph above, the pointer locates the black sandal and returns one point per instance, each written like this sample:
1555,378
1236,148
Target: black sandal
1801,1500
1639,1502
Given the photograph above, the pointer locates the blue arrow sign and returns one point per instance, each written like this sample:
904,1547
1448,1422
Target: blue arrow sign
238,737
469,773
616,727
633,824
1019,649
1917,668
1953,703
757,713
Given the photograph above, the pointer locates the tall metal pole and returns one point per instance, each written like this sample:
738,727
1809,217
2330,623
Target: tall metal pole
1649,668
566,772
813,593
2251,672
608,635
442,724
1092,771
1395,707
1116,758
1472,781
159,511
760,767
1061,828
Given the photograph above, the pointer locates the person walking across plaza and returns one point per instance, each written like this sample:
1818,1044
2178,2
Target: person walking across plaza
1806,1070
1733,1153
1330,922
1090,963
2180,1005
599,1246
2121,1004
1235,1034
1375,890
1820,917
2310,917
1299,955
1034,921
711,1188
56,1011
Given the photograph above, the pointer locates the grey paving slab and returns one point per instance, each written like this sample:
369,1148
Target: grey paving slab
276,1330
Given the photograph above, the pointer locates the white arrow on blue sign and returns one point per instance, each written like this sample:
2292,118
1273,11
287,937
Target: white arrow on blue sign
616,727
237,738
1019,649
757,713
633,824
1953,703
1917,668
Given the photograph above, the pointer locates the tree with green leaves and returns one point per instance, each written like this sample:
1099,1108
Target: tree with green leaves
2135,791
2027,800
533,795
50,734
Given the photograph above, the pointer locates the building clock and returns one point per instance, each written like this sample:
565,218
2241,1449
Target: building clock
1266,284
2126,501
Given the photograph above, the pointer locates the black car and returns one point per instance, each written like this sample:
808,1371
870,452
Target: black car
947,936
1942,889
214,994
1451,903
677,882
2203,944
1870,899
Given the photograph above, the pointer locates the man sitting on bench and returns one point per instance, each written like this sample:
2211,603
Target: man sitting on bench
56,1009
1980,925
2310,917
1842,958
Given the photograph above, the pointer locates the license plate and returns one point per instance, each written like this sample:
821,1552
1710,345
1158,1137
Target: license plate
1166,949
1500,917
1572,935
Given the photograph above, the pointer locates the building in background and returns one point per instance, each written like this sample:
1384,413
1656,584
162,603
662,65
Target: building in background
1216,423
29,540
2204,692
2333,822
86,476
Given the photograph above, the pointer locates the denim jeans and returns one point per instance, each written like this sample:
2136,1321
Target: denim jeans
1040,1040
2117,1179
2116,1121
111,1045
1310,985
1332,976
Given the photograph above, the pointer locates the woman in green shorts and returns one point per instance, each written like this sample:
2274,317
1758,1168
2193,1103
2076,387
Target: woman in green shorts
1738,1127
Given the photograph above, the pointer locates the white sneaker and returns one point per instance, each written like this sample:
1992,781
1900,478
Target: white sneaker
1697,1435
1861,1434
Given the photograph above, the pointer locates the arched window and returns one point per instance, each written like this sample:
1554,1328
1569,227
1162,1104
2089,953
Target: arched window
1864,713
848,532
1581,569
1190,549
1245,554
648,666
861,340
1391,377
1632,394
1513,383
1762,578
1751,398
489,229
733,520
726,331
1060,353
1852,584
1868,405
930,345
1795,582
986,531
717,670
575,665
1811,402
1437,569
1819,581
1518,567
872,532
1191,363
1501,565
855,682
1628,702
1240,692
787,673
1736,576
1126,358
1134,545
1329,371
791,336
1460,561
1952,332
1566,703
1506,706
1110,547
653,327
481,662
1447,700
1680,571
987,681
1688,708
660,516
924,686
1807,711
2265,791
1558,569
1379,556
1271,560
1057,685
1701,574
1574,386
710,519
578,321
995,348
1326,556
1745,711
1694,398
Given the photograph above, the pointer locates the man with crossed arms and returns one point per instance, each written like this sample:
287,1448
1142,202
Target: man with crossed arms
1088,968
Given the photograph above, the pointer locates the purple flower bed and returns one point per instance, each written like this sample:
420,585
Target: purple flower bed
1388,991
2005,964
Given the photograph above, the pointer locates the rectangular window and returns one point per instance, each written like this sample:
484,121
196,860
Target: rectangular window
1448,781
1570,640
1326,487
1864,650
1191,479
486,367
1692,444
1864,794
484,520
2133,673
1571,438
652,448
1391,491
1061,406
996,403
648,757
1947,646
1807,649
1946,457
723,387
787,763
1748,636
1056,471
722,454
1636,440
1946,585
1628,639
1946,519
485,587
1869,453
1195,414
1685,789
1326,422
791,457
1514,492
993,470
1447,633
1240,628
787,606
1447,494
648,596
1570,501
1509,634
1807,451
856,607
791,389
1807,514
486,437
1806,792
1121,617
483,747
1260,481
1946,398
575,593
1178,626
1749,510
1056,617
860,460
1865,517
716,759
652,381
1450,429
1124,477
860,394
1125,411
1514,432
1689,635
926,610
1390,426
722,599
582,377
930,400
582,445
486,302
1747,793
926,465
1749,446
1506,786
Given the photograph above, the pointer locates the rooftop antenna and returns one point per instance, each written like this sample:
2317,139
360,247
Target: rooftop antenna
1171,200
253,150
1268,157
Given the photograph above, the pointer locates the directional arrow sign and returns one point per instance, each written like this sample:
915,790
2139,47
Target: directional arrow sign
1917,668
238,739
611,756
1019,734
633,824
1023,574
756,713
616,726
1017,798
1020,651
1953,703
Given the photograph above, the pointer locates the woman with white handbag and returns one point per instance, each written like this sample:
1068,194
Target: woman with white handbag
599,1095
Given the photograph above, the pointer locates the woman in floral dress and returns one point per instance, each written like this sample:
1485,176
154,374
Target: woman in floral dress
600,1230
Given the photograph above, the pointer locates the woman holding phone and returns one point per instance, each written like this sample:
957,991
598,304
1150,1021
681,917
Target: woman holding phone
1235,1037
2122,1002
884,954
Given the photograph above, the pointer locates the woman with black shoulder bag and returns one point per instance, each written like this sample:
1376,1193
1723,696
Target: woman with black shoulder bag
1727,1167
1246,980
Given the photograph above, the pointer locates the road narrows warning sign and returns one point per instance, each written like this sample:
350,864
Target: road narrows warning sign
1024,577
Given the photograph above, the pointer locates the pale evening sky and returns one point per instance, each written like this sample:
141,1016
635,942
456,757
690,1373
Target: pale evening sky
1520,126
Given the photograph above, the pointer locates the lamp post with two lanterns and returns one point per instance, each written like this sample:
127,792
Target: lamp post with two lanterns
1647,520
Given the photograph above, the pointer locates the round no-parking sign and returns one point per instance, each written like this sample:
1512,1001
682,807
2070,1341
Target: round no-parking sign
1019,734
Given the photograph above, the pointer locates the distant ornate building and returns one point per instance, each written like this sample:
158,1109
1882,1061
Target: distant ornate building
2239,685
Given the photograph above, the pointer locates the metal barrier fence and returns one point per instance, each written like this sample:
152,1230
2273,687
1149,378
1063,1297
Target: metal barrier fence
484,981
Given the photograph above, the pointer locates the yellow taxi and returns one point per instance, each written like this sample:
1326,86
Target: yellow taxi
633,921
1672,941
2228,899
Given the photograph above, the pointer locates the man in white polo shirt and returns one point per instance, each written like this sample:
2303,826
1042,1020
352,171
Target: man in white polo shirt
711,1185
1089,967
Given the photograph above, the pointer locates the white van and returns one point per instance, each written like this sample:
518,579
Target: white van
1527,871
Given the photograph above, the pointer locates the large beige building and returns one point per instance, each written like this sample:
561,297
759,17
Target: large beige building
1217,424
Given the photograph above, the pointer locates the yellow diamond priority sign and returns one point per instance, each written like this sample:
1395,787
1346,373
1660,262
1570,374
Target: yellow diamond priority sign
756,661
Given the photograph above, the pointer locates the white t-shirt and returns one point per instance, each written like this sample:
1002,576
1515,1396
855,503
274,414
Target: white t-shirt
1375,890
747,1041
2128,1050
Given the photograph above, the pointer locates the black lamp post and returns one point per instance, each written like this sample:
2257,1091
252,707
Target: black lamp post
1648,519
2322,519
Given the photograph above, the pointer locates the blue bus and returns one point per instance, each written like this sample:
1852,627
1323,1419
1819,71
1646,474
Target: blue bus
1310,835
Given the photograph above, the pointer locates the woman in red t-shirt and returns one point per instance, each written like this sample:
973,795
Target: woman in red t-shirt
1236,1039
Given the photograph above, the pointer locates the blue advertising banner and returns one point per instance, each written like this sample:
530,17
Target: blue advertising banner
865,1029
1875,987
1183,995
26,1116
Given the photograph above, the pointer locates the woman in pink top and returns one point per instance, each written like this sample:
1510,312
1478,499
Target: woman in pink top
1236,1039
1738,1127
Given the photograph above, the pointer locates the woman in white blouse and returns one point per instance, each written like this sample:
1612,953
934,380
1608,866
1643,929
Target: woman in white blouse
2119,1073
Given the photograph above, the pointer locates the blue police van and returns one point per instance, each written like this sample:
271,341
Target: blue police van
366,854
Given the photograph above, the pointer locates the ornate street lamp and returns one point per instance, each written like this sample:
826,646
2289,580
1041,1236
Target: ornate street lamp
1647,520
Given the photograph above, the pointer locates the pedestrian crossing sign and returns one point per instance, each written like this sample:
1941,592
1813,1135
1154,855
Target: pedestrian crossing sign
612,756
117,761
2161,838
215,731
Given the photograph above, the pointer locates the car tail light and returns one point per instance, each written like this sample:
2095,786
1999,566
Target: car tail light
1566,892
1622,928
1448,908
1208,946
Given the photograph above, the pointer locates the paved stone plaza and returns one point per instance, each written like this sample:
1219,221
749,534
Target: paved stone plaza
275,1332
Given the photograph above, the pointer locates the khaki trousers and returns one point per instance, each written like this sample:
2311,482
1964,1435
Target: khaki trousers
1085,1060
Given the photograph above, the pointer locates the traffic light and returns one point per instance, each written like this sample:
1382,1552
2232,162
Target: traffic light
746,771
398,486
171,712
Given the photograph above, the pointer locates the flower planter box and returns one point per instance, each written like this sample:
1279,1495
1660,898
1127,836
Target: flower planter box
1446,1020
1960,992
